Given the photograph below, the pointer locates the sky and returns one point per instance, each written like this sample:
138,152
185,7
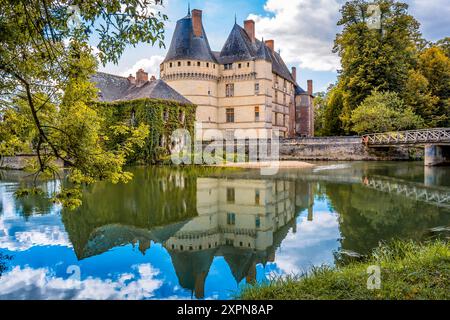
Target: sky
304,31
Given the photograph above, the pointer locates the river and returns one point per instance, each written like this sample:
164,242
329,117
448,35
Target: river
205,233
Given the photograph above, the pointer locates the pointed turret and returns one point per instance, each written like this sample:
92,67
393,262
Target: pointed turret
189,40
238,46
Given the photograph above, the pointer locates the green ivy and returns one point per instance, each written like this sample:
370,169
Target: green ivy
152,113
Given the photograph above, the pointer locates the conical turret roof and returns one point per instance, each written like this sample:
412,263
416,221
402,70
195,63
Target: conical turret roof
185,45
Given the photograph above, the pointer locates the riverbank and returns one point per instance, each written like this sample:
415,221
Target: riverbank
408,271
268,164
343,149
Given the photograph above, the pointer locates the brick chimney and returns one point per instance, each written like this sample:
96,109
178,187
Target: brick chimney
197,22
294,74
310,87
131,79
141,76
271,44
249,26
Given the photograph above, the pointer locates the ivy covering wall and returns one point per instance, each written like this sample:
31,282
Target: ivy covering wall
162,116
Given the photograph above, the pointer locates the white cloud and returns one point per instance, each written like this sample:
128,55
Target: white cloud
29,283
149,65
313,244
304,30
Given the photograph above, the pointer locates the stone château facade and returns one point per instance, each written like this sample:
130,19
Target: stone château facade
245,86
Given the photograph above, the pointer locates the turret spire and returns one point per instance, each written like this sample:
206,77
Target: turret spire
189,8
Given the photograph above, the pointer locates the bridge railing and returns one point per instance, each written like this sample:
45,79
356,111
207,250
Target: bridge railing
424,136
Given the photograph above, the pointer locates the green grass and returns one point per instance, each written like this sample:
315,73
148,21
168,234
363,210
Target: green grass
408,271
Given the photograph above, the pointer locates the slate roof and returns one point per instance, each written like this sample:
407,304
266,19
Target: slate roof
239,47
185,45
116,88
279,67
299,90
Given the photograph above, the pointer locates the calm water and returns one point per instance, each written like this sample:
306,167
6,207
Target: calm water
174,234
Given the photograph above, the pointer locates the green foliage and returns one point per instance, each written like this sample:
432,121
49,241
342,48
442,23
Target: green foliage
383,112
69,198
374,59
394,58
434,65
409,271
417,95
46,63
332,123
444,45
162,117
320,103
25,192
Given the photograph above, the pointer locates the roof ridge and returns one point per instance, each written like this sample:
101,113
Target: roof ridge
110,74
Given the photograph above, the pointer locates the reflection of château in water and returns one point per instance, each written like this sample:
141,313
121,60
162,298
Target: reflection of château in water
243,221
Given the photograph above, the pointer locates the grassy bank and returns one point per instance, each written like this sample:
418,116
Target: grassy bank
408,271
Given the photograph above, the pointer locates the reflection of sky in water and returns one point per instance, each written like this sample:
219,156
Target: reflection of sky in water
42,255
44,252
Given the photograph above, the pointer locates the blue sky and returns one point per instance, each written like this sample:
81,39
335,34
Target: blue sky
304,31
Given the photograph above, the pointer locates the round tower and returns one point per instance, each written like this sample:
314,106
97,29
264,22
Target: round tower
191,68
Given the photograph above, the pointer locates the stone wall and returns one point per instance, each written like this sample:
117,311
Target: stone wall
19,162
342,149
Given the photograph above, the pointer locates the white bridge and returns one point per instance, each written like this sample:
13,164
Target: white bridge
434,196
413,137
436,142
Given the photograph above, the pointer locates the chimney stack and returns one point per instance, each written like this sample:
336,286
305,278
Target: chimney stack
271,44
310,87
153,78
131,79
141,77
197,22
249,26
294,74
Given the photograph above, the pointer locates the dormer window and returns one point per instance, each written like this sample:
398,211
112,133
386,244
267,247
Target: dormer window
198,64
228,66
170,65
189,64
240,65
179,63
207,64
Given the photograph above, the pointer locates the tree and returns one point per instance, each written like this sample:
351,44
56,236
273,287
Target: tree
319,107
417,95
374,59
434,65
45,66
332,124
444,44
383,112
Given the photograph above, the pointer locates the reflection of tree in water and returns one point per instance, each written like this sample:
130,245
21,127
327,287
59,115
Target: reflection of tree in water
3,262
31,204
368,216
156,198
